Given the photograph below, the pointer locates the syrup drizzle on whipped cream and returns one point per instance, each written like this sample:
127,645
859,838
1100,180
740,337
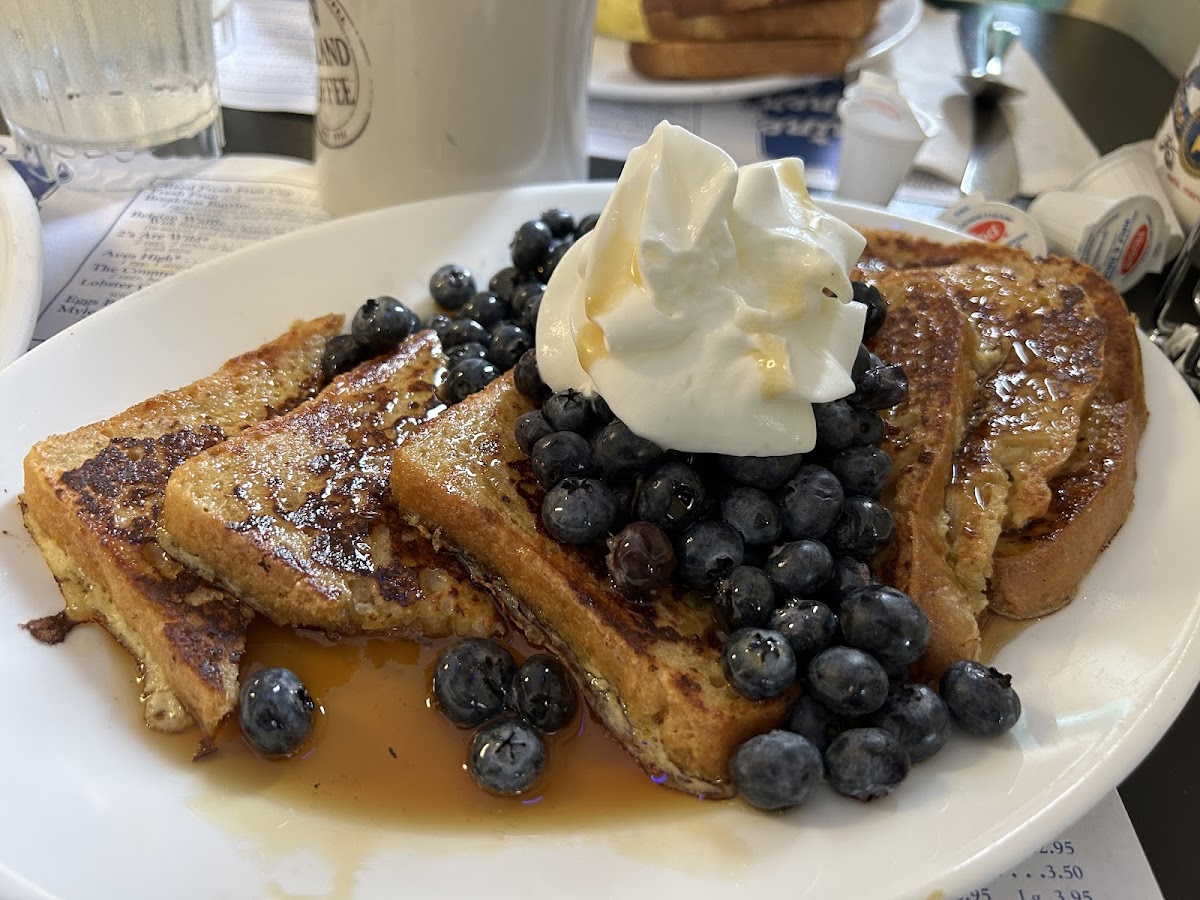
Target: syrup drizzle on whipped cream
711,306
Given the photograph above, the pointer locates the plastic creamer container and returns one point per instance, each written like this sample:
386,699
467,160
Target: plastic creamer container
996,223
881,134
1115,236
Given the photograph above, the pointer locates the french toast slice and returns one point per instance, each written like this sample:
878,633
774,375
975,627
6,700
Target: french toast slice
651,673
812,19
91,502
684,60
925,329
1078,492
293,516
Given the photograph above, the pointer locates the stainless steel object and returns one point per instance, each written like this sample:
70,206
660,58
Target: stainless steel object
992,166
1178,339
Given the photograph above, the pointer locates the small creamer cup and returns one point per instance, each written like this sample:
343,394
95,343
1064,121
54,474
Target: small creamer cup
1115,236
880,136
1127,171
996,223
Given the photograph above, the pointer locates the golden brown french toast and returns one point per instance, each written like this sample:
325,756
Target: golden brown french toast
677,60
92,499
650,672
1056,424
813,19
927,332
293,517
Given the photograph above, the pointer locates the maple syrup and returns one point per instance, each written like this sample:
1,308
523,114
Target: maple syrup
996,631
379,748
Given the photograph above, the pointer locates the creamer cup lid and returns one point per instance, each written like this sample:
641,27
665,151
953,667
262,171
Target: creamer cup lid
996,223
875,105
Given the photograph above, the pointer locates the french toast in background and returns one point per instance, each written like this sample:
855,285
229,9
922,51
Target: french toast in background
1043,476
650,672
91,502
293,516
694,39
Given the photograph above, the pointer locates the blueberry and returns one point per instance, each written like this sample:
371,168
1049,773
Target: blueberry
809,626
869,295
758,664
799,568
504,283
579,510
530,316
620,454
672,497
811,720
836,427
485,308
862,527
765,472
981,699
881,387
753,515
509,343
506,757
460,331
865,763
602,414
469,350
465,378
342,353
471,680
557,251
707,552
527,295
560,455
530,245
544,693
886,623
745,598
916,717
560,221
451,286
569,410
439,323
641,560
776,770
382,323
810,502
275,712
870,428
586,224
527,379
863,360
848,681
531,427
848,574
862,470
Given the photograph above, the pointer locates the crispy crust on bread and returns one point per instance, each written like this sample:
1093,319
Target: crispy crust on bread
652,672
683,60
91,502
814,19
293,516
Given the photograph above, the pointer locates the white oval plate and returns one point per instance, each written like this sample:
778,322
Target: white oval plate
20,264
613,78
90,808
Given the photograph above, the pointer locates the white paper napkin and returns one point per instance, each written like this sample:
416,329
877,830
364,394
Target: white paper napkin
1051,147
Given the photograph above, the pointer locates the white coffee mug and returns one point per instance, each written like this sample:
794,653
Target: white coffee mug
423,98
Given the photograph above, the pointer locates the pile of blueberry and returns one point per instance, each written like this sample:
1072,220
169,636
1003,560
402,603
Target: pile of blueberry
477,684
781,545
483,332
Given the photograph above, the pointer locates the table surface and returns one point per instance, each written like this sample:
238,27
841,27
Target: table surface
1119,93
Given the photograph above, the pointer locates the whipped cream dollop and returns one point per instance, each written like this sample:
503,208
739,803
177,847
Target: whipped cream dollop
710,306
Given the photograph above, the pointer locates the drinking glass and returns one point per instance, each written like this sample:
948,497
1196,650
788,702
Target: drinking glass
110,94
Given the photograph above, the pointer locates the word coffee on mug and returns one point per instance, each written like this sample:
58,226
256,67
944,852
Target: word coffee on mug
420,99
